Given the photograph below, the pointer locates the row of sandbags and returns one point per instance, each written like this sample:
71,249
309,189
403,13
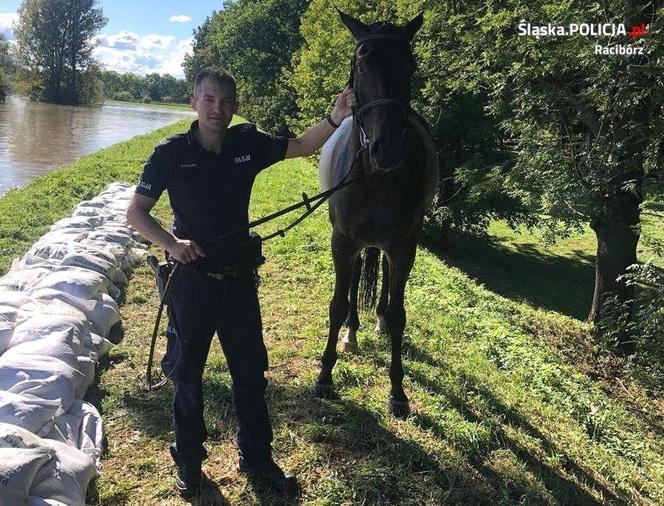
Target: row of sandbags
57,308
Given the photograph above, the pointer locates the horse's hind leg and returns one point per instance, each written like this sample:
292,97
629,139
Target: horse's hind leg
401,262
381,326
343,254
349,343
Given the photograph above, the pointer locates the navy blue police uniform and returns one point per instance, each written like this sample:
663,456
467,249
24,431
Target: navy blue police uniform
209,194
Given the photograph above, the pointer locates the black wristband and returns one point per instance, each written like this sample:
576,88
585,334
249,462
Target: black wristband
332,123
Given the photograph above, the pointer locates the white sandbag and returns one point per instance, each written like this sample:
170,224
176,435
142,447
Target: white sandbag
64,236
50,250
29,412
57,344
12,436
8,313
42,325
23,280
93,203
118,236
102,311
35,307
29,261
44,377
75,222
76,281
97,344
80,427
66,476
6,334
87,367
91,439
85,210
88,261
18,469
13,299
114,249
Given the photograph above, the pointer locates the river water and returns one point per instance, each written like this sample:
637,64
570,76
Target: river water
36,138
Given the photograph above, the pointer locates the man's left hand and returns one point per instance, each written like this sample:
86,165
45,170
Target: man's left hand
343,107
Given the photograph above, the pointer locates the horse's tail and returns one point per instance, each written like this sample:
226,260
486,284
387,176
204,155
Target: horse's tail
369,277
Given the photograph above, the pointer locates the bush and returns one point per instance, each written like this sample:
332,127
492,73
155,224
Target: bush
125,96
146,99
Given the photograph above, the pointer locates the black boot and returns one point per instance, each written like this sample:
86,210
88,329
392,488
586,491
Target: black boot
188,477
268,474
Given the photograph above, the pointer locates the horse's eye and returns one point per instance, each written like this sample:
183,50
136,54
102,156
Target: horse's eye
361,68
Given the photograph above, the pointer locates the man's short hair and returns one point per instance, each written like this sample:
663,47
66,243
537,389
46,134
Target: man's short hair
222,76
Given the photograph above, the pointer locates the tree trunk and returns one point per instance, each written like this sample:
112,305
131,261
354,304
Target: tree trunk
617,233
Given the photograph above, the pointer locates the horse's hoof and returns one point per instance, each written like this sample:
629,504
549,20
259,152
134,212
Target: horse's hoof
325,391
349,347
399,409
381,326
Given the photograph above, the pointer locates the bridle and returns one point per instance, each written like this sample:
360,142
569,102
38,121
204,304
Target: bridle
381,102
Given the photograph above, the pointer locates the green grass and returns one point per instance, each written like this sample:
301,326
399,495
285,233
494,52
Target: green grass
512,403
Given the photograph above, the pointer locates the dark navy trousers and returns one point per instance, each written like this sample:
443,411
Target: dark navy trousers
198,306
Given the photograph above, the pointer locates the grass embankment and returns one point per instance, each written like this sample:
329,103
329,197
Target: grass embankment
152,105
510,403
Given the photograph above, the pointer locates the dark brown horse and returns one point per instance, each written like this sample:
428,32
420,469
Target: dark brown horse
389,144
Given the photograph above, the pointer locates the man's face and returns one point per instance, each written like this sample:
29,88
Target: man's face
215,104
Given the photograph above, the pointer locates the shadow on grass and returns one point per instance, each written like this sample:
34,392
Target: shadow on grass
352,454
561,482
543,280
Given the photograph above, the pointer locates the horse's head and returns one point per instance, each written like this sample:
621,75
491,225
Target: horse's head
381,73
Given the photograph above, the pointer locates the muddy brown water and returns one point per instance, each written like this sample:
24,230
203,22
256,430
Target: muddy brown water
36,138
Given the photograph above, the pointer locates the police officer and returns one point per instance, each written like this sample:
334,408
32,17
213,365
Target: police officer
209,172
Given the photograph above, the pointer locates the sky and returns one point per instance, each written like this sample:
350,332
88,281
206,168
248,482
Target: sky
141,36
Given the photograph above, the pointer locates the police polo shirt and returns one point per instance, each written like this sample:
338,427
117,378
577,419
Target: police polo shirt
209,192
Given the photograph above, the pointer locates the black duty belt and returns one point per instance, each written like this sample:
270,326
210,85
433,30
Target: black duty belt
228,271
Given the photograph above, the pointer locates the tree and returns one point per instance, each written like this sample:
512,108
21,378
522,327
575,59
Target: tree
586,129
55,43
6,66
155,86
255,40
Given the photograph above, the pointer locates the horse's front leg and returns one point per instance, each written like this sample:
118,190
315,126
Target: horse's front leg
343,255
349,343
401,262
381,326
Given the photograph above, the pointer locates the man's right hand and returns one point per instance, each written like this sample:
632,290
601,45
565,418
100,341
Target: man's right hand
185,251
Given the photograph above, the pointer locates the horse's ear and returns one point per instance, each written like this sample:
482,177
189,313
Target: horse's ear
413,25
356,27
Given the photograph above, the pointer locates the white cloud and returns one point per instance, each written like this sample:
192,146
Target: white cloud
142,55
121,40
7,19
154,41
173,64
180,18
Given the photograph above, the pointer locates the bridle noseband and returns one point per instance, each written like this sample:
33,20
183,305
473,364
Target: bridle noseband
382,102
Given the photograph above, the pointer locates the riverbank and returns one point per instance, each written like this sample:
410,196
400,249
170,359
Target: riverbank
510,404
151,105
